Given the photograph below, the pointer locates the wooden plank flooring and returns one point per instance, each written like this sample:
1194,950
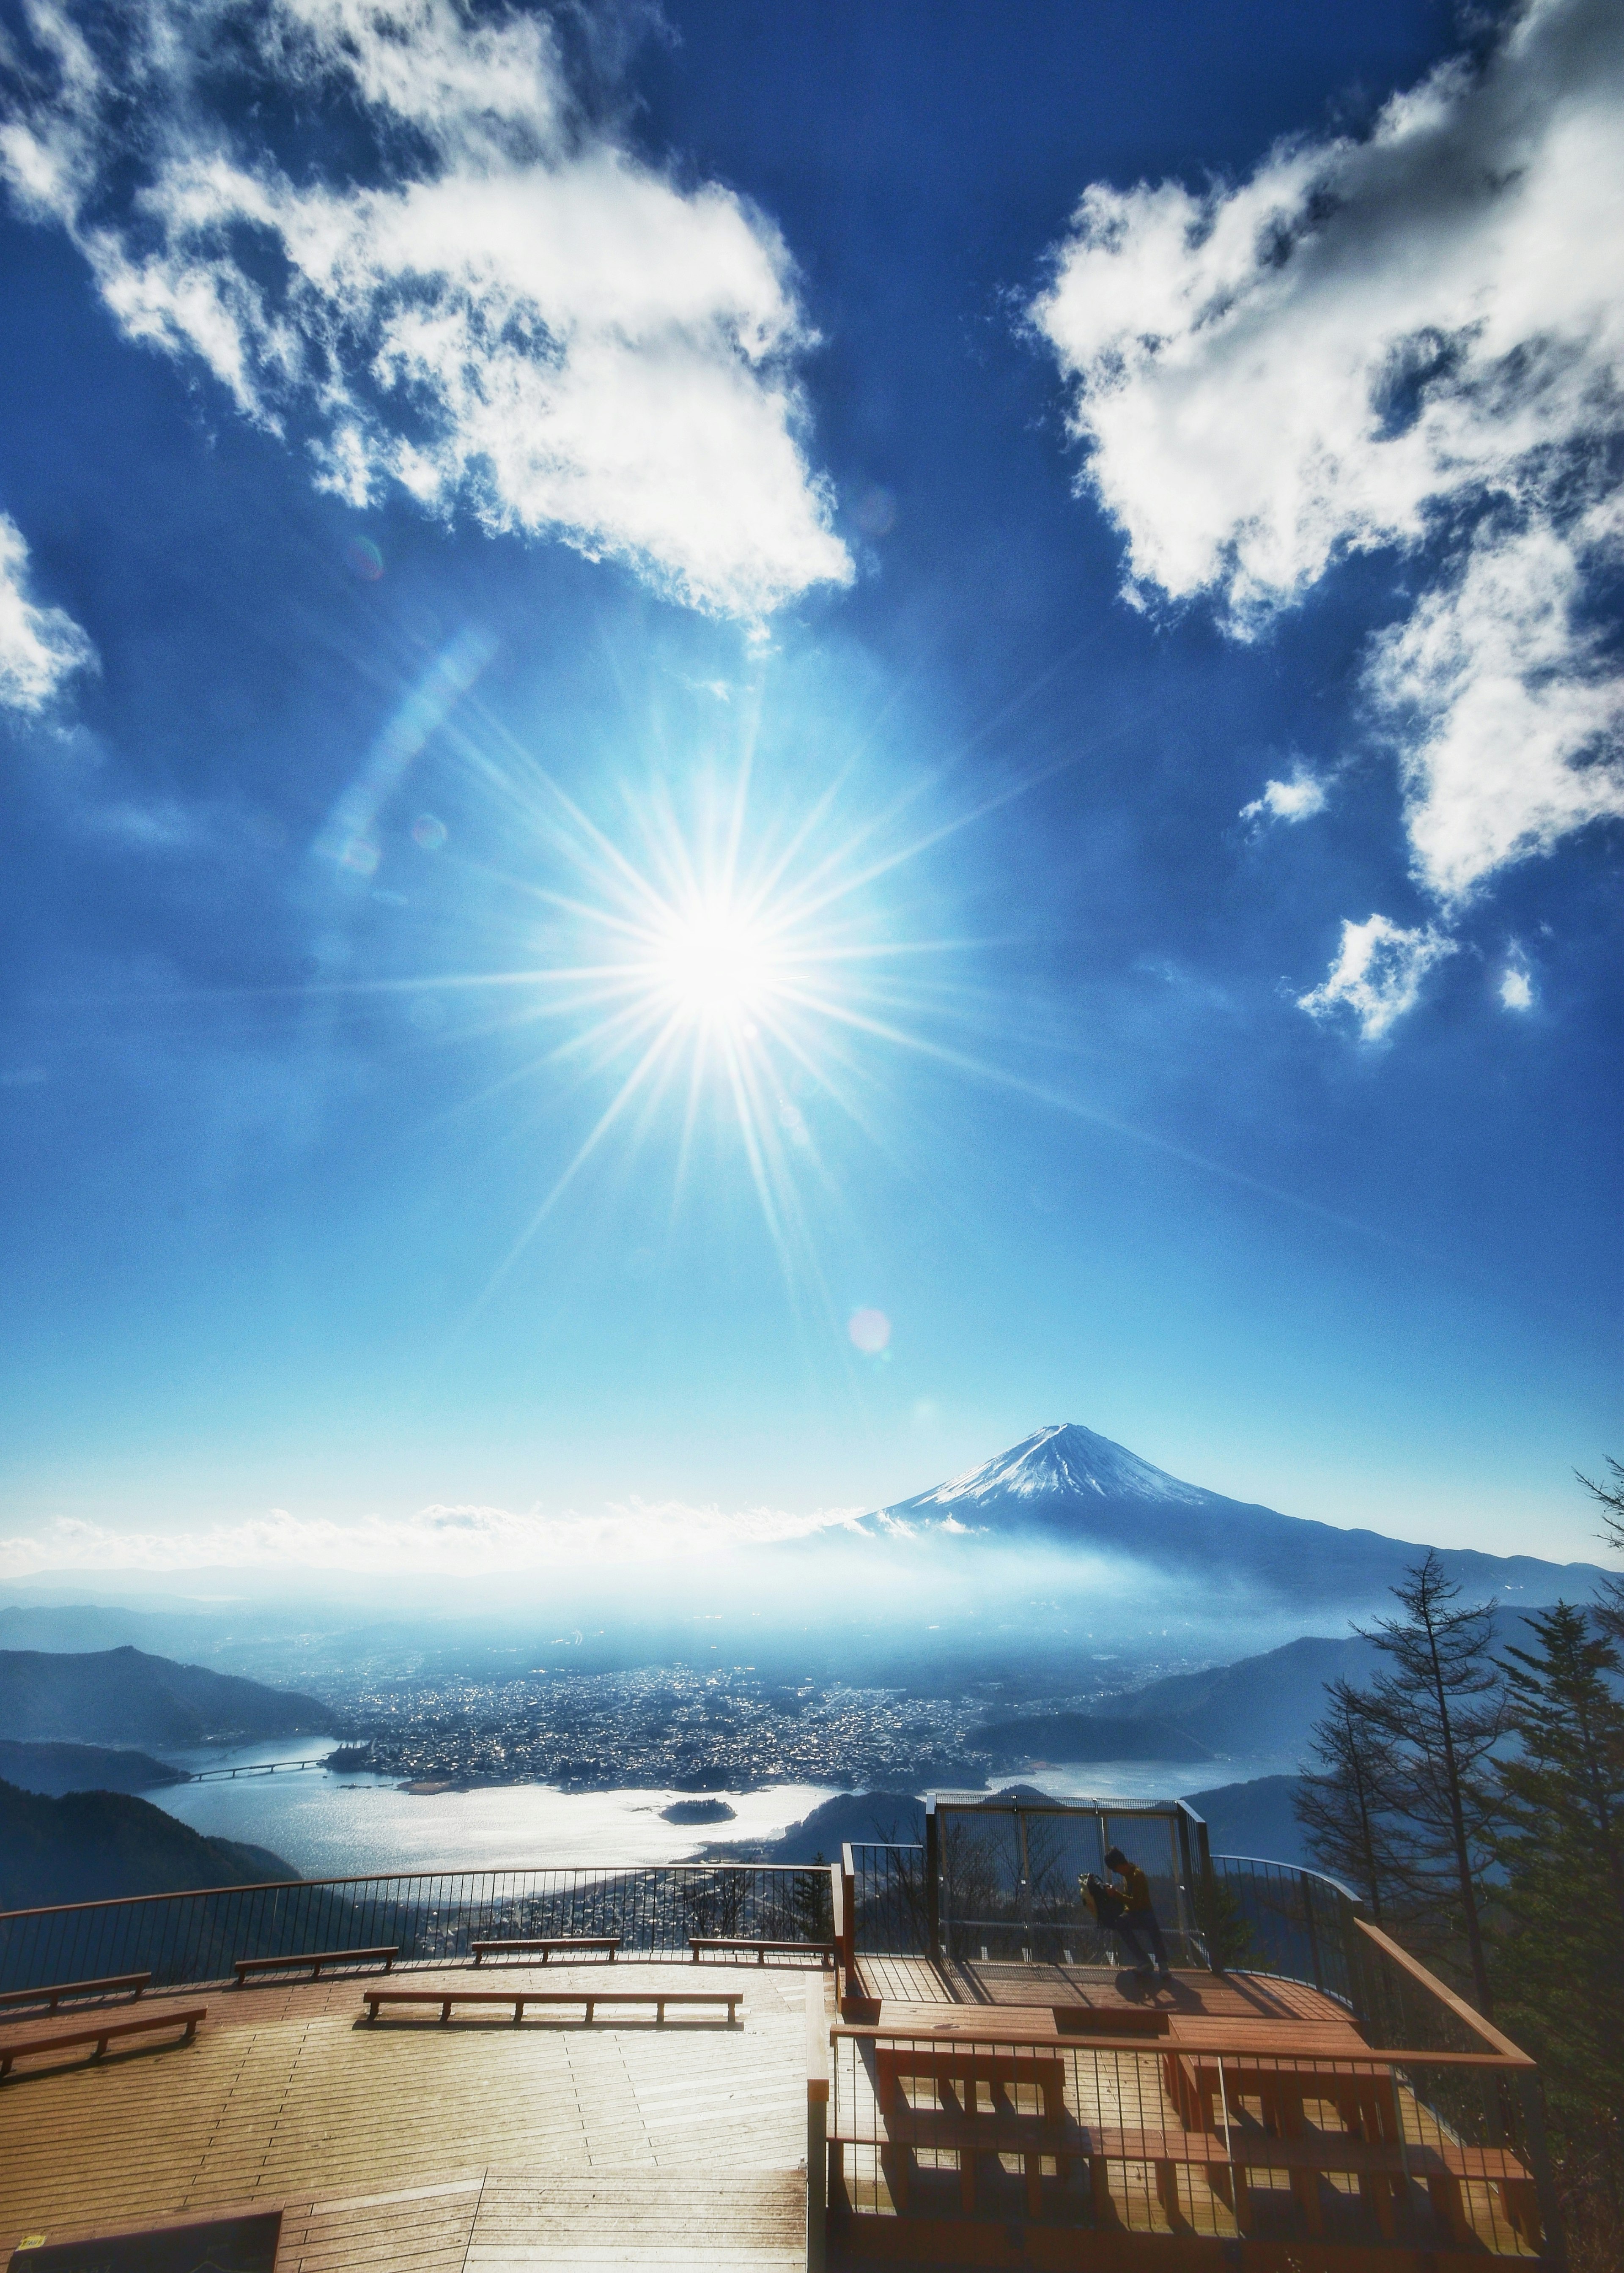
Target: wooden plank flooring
1271,2017
434,2148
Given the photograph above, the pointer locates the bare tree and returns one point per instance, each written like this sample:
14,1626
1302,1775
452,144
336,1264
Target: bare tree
1441,1709
1341,1804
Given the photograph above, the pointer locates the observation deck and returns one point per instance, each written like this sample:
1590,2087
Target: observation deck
975,2081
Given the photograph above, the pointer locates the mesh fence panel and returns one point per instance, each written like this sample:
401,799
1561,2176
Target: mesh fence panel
430,1916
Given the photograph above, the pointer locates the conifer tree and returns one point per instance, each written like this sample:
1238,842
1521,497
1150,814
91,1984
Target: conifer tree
1340,1803
1610,1609
1560,1961
1441,1709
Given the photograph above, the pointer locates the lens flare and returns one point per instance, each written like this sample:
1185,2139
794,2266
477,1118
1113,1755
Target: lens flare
869,1331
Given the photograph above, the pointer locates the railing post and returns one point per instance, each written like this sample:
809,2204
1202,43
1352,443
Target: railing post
1305,1888
933,1884
1178,1840
1204,1880
817,2127
1353,1957
1532,2099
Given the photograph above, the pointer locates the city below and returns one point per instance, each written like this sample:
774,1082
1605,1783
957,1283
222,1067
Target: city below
669,1728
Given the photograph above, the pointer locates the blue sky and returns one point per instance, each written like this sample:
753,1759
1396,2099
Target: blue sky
745,747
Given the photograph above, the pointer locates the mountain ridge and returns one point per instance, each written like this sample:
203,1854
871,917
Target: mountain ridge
1064,1485
125,1697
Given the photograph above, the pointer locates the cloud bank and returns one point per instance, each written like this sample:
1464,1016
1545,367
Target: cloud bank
453,1542
1414,340
39,648
496,304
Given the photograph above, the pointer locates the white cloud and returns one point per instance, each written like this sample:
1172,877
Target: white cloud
1296,800
1377,974
464,1541
1413,340
39,648
1516,983
511,313
1508,724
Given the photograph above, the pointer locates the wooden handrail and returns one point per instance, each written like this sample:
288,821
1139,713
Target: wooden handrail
1417,1972
1171,2047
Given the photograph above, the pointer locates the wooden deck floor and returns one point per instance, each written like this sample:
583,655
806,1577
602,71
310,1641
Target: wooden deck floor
1203,2008
432,2148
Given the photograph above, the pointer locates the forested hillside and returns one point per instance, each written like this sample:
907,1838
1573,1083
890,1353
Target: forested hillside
125,1697
93,1845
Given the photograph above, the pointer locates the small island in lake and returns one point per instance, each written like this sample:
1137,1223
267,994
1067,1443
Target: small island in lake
697,1811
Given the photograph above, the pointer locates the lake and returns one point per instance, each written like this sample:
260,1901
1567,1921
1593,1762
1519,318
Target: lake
332,1826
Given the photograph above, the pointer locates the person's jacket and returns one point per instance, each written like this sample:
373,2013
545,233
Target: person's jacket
1135,1888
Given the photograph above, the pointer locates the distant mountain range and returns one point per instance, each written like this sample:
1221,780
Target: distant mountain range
124,1697
1253,1818
1242,1818
1081,1736
1066,1487
1263,1703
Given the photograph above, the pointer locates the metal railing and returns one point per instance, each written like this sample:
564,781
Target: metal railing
432,1915
889,1906
998,1878
1276,1918
1223,2141
1004,1873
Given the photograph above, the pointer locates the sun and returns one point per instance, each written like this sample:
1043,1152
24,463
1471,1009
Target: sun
717,963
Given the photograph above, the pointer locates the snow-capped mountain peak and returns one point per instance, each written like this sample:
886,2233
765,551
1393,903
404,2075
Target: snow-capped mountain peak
1065,1488
1060,1462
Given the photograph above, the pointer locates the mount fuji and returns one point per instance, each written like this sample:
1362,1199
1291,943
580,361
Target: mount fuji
1066,1487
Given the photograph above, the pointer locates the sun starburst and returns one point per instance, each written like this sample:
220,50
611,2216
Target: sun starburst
719,963
717,969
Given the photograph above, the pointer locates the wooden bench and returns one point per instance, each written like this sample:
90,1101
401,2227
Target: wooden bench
546,1944
316,1959
957,2073
109,1986
1362,2094
100,2034
1383,2168
697,1941
519,1998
